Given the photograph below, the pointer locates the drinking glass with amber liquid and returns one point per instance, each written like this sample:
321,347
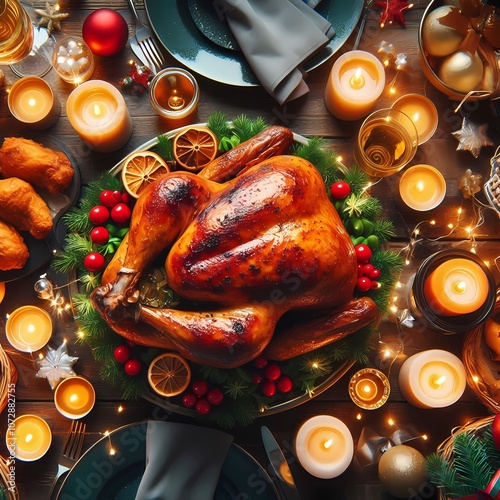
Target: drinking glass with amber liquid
386,142
16,32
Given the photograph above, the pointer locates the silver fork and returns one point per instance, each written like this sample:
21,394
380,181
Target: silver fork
70,452
143,43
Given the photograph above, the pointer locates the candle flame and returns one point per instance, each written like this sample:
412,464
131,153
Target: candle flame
420,186
441,380
357,81
28,438
97,110
367,389
31,328
416,116
73,398
32,102
327,444
459,287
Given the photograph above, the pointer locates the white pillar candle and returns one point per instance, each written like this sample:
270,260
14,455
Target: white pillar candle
432,379
74,397
355,83
28,437
98,113
324,446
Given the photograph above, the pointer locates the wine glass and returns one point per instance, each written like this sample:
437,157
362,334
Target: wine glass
23,45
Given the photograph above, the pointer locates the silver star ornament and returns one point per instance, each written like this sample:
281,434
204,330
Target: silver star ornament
472,137
51,17
56,365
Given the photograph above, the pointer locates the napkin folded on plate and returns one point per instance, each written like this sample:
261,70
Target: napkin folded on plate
276,38
182,461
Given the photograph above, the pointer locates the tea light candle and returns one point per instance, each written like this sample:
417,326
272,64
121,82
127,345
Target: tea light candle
174,95
98,113
422,113
355,83
432,379
32,102
324,446
369,388
457,286
74,397
29,437
28,328
422,187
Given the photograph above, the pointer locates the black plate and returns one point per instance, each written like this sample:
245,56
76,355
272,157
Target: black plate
41,250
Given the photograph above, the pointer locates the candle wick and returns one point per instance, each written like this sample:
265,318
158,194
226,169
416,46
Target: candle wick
357,81
327,444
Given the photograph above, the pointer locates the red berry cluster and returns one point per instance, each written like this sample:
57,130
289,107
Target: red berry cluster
202,397
367,273
114,208
270,378
123,355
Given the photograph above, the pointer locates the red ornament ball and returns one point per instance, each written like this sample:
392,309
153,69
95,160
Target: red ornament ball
133,367
105,31
122,353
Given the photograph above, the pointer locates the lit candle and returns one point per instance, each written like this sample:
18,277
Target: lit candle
28,437
455,287
73,60
324,446
174,95
28,328
432,379
98,113
422,187
74,397
31,101
355,83
422,113
369,388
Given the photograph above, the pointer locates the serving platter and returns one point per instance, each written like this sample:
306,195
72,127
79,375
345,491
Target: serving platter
41,250
198,37
99,475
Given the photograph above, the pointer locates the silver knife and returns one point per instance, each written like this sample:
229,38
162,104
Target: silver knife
280,465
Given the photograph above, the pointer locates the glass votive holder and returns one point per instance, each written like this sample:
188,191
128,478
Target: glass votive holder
369,388
387,141
422,188
174,94
72,60
422,113
452,291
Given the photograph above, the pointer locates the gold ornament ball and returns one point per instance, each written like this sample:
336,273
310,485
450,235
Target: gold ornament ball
462,71
438,39
402,471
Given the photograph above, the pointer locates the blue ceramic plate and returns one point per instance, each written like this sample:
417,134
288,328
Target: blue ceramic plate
41,250
199,39
99,476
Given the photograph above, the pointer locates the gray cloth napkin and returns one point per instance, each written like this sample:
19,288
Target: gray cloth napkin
276,38
183,462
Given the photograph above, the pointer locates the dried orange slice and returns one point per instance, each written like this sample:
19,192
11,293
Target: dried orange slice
195,147
140,169
169,374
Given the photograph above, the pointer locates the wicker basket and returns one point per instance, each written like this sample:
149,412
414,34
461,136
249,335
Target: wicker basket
483,374
8,375
10,493
445,449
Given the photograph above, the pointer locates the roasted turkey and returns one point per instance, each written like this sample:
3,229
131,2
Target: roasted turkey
249,252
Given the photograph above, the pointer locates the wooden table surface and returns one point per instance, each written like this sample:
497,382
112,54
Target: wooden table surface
307,116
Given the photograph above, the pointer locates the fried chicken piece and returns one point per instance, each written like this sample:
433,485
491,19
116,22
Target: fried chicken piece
13,251
43,167
24,208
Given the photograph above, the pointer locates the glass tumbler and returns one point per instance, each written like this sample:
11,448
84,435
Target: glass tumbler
387,141
16,32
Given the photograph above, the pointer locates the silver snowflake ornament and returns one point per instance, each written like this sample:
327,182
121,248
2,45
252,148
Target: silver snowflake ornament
472,137
56,365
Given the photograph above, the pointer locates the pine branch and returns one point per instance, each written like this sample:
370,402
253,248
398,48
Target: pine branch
357,179
245,128
164,147
384,230
388,262
218,123
443,475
